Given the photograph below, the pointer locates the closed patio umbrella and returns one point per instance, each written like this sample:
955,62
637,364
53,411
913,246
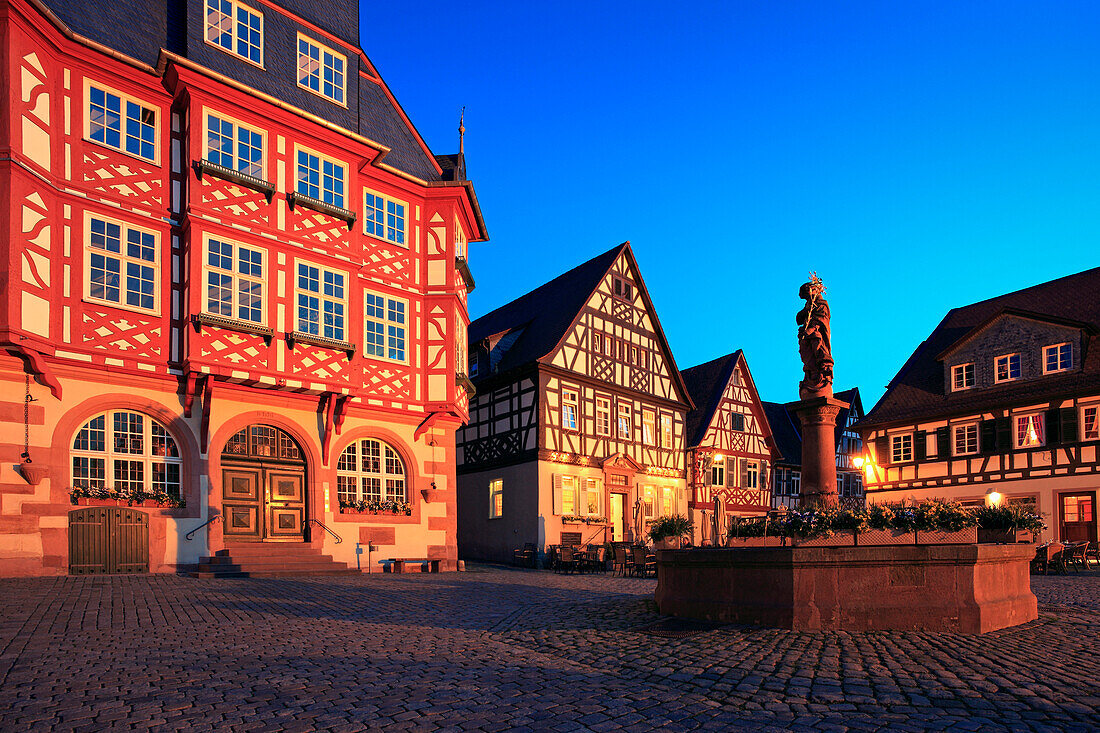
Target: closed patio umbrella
638,521
716,521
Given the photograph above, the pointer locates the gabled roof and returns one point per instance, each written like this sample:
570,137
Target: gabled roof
707,383
787,430
918,391
1010,313
547,313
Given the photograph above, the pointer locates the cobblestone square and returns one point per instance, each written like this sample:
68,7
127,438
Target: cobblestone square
496,649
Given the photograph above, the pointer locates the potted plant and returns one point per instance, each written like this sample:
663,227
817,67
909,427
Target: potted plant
939,522
1007,524
668,532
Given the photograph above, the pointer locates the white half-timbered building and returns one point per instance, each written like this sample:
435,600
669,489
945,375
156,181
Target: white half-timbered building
577,428
730,450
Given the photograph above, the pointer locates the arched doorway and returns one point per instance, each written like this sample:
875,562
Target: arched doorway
263,486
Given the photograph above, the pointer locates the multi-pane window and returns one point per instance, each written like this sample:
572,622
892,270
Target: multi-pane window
568,495
667,504
718,473
962,377
649,501
321,70
122,123
370,470
626,422
623,289
322,301
474,366
387,327
234,280
750,475
234,146
321,179
1090,423
569,409
1029,430
666,431
796,483
649,427
737,421
593,495
385,218
125,453
901,448
121,264
603,416
966,439
1007,368
1057,358
236,28
496,498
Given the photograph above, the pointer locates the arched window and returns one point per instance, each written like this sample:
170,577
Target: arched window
122,453
371,471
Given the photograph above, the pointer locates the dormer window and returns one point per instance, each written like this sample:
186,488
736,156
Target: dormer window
321,70
962,377
624,290
236,28
1057,358
473,364
1007,368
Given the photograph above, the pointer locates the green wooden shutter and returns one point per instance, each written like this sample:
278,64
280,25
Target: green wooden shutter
882,450
943,443
1069,425
1004,434
920,445
1053,426
988,436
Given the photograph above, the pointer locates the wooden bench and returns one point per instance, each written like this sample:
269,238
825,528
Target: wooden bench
397,564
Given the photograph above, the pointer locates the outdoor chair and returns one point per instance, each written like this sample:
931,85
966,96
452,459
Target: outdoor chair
527,557
1092,551
619,560
1049,556
566,562
1075,556
644,562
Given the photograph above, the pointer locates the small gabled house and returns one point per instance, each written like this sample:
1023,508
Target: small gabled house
576,433
787,434
730,451
1000,403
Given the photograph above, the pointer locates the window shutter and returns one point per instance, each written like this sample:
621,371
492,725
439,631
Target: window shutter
557,493
882,450
1004,434
731,471
943,443
920,445
1052,425
1069,425
744,472
988,436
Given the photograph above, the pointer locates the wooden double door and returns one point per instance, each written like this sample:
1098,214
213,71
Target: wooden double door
264,502
1078,516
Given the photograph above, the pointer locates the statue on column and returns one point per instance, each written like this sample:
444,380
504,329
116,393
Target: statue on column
814,342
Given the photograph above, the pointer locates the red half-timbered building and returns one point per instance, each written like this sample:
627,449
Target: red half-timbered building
576,434
730,450
234,305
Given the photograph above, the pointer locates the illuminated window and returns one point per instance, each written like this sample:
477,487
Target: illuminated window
569,495
126,452
649,427
1007,368
569,409
667,504
321,178
385,218
626,422
236,28
370,470
718,473
496,498
901,448
1029,430
321,70
666,431
962,377
386,327
593,494
122,123
322,301
234,280
603,416
1090,423
1077,509
966,439
649,502
1057,358
121,262
234,146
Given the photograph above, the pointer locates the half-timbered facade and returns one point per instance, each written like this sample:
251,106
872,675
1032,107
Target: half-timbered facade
235,280
579,418
1000,403
730,451
787,475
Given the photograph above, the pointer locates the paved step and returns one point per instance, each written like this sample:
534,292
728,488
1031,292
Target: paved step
267,549
269,560
271,574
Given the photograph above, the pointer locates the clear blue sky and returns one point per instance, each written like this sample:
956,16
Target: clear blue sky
918,155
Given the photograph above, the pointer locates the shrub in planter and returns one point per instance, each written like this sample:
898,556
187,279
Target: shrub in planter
668,531
1007,524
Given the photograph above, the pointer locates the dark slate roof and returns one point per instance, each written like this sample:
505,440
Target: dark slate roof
918,391
706,383
787,430
545,313
140,28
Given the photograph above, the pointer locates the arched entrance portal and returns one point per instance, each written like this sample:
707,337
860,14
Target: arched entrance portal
263,486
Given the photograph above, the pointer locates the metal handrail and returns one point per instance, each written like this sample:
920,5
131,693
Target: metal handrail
322,526
212,519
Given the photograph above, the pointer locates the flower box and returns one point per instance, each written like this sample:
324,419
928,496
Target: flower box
839,538
753,542
669,543
881,537
968,536
1005,536
90,501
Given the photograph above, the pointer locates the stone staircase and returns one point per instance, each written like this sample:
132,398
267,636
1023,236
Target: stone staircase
269,560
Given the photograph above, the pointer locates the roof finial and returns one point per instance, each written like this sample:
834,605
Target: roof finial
461,129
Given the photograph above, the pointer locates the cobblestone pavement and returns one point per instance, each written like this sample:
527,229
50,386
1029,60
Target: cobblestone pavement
496,649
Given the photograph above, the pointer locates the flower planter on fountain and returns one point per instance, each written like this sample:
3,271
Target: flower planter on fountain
885,537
